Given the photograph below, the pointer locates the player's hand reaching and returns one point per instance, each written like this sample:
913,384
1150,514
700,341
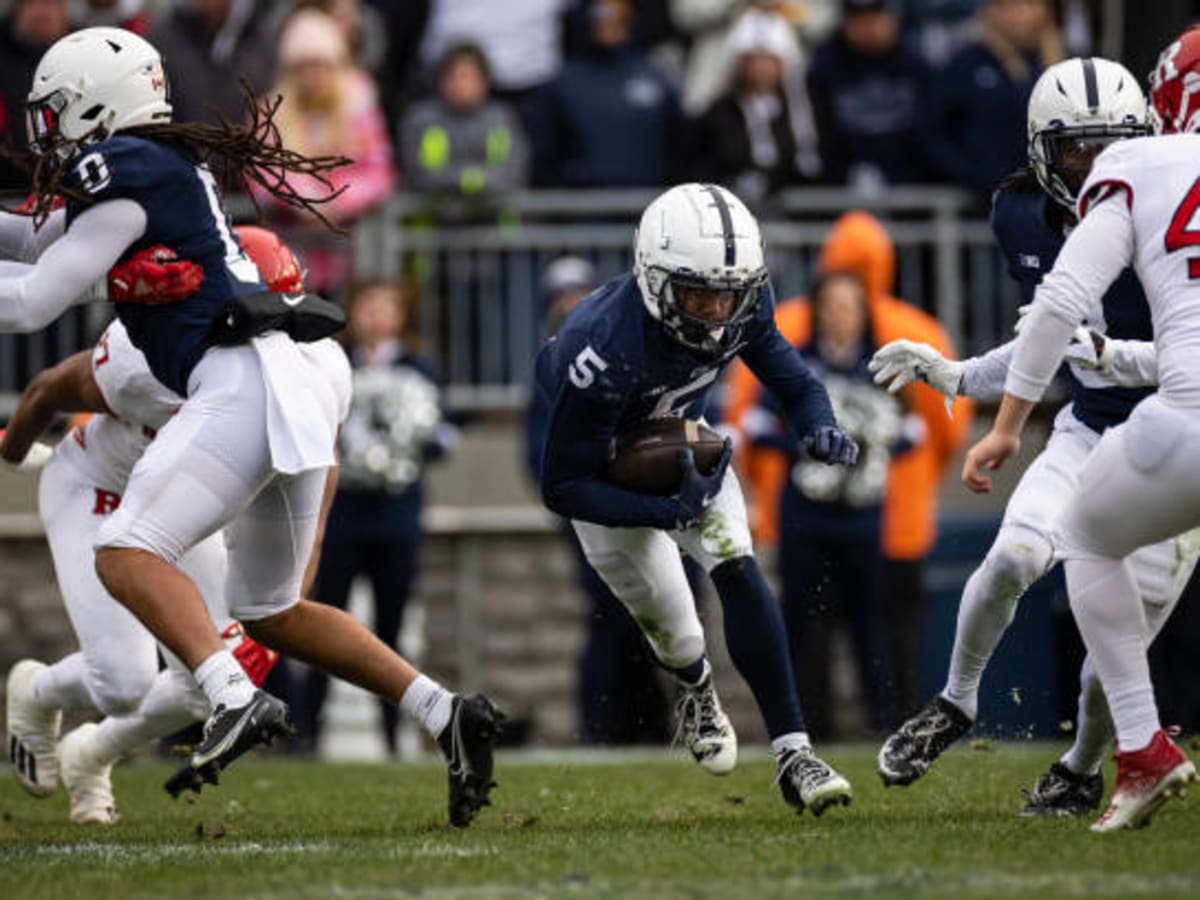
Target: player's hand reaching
829,444
987,456
696,491
153,276
899,363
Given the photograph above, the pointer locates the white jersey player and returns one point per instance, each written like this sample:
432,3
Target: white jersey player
1077,107
115,672
1140,485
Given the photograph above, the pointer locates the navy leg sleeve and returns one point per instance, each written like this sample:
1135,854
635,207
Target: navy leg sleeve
757,642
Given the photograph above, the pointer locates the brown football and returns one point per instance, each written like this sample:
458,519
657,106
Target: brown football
646,457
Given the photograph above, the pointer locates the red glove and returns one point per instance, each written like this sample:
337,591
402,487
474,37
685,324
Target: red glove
27,204
255,659
153,276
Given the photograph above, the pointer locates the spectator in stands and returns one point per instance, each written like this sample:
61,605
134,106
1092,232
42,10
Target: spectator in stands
831,518
976,107
25,34
461,144
611,118
858,243
522,40
211,46
128,14
620,698
759,136
708,23
937,29
329,107
395,428
867,89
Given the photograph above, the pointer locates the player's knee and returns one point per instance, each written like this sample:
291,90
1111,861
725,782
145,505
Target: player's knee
1019,557
676,651
119,690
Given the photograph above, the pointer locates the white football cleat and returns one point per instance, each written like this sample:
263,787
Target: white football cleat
32,732
809,783
705,729
87,777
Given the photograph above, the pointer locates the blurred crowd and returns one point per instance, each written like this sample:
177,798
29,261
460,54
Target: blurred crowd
470,97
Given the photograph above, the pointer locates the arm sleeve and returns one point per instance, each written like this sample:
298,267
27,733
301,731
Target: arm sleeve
778,365
1134,363
581,426
33,296
1091,260
984,376
21,242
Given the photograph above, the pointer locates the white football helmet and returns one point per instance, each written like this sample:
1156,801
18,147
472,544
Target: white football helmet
699,237
1081,105
90,85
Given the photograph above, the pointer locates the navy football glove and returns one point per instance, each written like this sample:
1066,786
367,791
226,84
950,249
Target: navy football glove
696,491
829,444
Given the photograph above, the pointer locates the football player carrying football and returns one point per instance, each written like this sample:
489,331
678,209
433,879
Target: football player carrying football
651,344
1077,107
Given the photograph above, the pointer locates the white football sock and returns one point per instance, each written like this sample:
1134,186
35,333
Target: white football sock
785,743
1093,730
173,702
1112,621
63,685
429,703
1017,558
223,681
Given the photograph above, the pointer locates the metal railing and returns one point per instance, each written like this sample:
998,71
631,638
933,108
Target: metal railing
481,310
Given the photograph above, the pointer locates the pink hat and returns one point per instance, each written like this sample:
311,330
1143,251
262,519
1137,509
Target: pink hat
312,36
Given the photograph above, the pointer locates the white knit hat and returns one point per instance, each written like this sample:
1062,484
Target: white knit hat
759,31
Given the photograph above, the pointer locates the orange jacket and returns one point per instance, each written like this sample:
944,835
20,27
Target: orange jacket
858,243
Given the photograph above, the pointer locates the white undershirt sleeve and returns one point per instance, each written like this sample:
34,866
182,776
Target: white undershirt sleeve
1134,363
21,242
33,296
1099,248
983,376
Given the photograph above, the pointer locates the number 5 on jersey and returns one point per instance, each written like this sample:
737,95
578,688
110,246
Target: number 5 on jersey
585,367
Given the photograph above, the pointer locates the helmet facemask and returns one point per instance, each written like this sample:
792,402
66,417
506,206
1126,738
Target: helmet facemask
1063,156
705,313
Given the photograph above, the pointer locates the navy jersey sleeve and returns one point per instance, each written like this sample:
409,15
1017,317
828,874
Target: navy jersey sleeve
778,365
585,397
1008,210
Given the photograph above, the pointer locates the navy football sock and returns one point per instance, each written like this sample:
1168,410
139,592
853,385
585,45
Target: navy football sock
757,641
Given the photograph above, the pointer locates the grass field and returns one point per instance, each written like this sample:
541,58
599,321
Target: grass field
649,826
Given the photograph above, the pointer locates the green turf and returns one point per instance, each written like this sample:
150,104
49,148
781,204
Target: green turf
656,828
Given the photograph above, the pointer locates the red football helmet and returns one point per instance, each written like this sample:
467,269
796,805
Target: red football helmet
274,258
1175,85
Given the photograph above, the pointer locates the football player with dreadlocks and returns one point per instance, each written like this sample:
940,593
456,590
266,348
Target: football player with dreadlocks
1077,108
249,449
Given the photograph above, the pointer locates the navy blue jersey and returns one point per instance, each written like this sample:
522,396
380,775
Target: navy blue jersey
612,365
1028,229
183,212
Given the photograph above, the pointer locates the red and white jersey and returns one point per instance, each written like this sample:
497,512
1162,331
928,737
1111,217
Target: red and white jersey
1159,180
106,447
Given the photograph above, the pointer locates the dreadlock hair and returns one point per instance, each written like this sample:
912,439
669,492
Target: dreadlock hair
240,153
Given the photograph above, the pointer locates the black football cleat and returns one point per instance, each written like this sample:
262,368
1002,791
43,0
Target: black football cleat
468,742
1061,792
808,782
228,734
908,753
